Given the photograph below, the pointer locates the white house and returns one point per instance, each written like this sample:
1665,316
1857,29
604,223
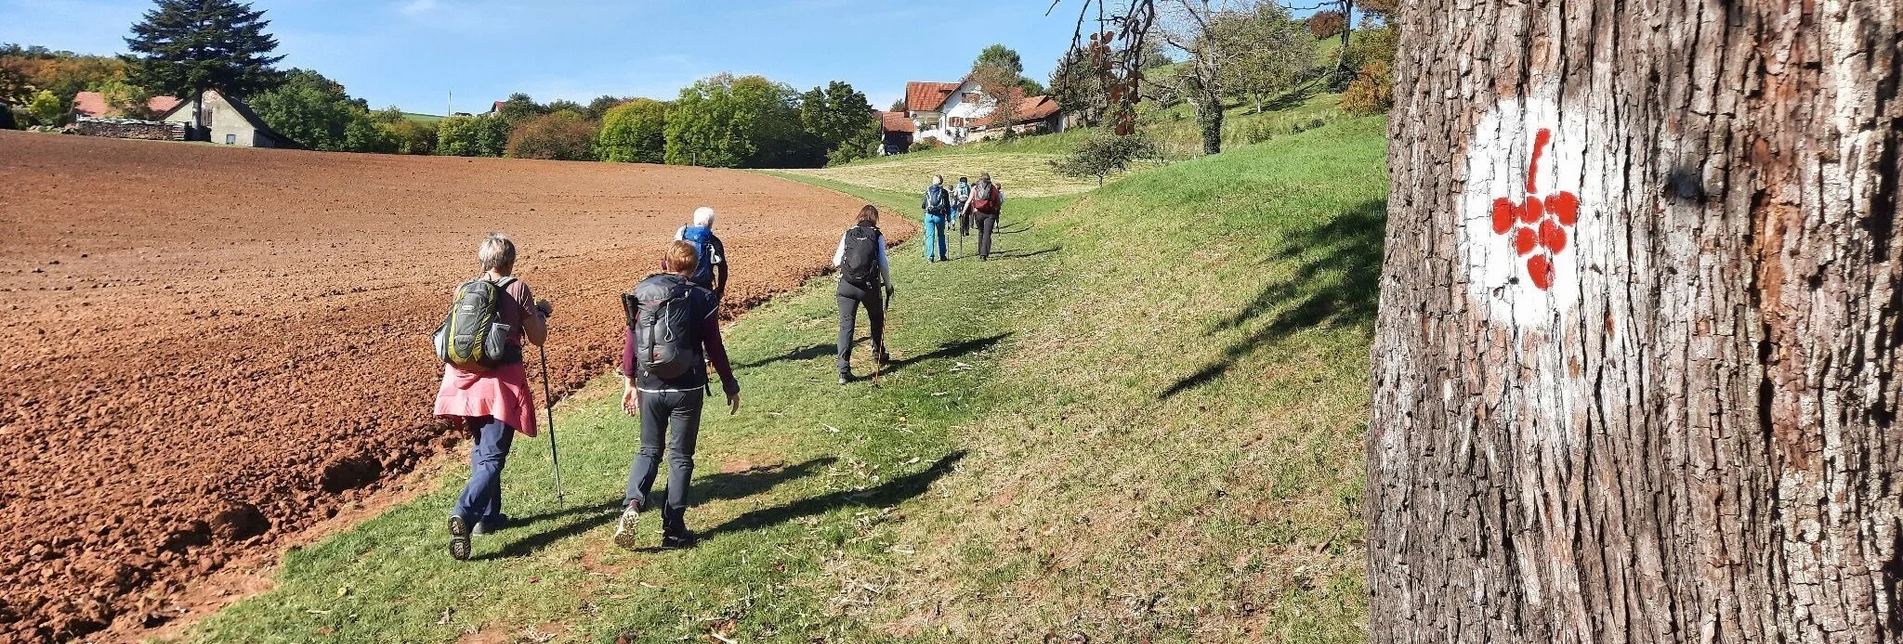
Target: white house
227,122
956,113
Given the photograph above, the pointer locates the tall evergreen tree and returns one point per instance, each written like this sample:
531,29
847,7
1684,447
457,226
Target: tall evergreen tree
185,47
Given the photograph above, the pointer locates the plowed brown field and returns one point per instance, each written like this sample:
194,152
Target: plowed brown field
207,349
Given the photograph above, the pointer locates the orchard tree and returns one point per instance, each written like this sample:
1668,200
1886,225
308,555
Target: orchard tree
186,47
1636,369
1077,86
1264,50
633,132
1104,154
999,55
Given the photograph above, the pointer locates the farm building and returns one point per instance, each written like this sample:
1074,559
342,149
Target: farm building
955,113
94,105
227,121
895,133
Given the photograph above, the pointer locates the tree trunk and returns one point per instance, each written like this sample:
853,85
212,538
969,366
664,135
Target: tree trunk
1635,372
1347,31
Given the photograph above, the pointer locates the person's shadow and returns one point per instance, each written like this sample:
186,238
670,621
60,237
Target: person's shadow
949,350
724,485
888,494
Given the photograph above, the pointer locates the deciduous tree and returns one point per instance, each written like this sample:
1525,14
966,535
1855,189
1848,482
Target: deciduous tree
1636,367
561,136
186,47
838,116
634,132
471,136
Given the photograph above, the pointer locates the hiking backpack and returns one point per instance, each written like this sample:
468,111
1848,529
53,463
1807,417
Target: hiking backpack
936,202
703,239
984,198
660,313
473,337
860,264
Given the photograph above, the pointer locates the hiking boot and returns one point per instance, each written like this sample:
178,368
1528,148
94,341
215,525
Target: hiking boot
682,538
625,530
491,524
845,377
458,538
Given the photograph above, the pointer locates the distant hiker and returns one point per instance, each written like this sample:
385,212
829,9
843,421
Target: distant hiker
938,208
710,254
960,196
484,384
672,335
986,201
863,271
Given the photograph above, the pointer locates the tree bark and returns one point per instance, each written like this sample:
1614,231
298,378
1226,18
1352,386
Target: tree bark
1635,373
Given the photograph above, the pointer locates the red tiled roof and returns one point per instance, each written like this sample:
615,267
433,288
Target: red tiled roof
927,95
1029,109
93,104
896,122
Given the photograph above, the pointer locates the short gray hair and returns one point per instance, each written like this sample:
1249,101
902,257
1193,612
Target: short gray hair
497,253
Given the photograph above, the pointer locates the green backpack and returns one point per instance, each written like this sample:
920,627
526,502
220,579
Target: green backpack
473,337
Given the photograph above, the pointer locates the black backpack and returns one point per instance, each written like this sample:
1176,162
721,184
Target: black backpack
860,265
473,337
660,312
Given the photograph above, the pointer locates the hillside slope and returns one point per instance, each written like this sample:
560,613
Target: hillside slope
1141,421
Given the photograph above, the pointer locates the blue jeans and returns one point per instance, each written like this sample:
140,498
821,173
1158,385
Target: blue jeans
481,499
934,235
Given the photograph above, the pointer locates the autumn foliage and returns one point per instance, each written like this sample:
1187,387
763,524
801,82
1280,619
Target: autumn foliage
563,136
1326,24
1372,92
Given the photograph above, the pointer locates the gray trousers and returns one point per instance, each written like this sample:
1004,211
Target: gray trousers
850,299
674,416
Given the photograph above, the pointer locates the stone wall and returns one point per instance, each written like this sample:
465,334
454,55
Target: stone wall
131,129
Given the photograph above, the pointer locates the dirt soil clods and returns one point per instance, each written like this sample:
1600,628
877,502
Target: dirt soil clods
209,349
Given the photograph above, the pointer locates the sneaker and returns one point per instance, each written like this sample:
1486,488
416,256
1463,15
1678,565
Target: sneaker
683,539
625,531
845,377
491,524
458,538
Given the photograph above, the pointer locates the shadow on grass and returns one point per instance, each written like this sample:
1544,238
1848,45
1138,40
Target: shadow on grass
724,485
1026,253
1008,230
952,350
594,516
888,494
796,355
1336,284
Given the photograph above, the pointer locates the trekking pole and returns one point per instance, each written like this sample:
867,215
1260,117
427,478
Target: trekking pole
553,455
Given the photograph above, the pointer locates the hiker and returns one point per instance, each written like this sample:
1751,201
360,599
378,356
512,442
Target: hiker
492,399
862,271
986,200
672,335
937,206
711,255
960,196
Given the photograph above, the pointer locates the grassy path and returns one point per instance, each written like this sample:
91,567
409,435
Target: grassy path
1143,423
809,474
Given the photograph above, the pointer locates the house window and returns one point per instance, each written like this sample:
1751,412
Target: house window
231,139
972,97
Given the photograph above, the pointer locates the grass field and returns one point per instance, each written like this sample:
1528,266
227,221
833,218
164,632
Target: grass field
1022,174
1143,421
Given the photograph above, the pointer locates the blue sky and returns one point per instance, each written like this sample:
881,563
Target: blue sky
412,53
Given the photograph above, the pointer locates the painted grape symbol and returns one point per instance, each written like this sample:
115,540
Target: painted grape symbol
1537,226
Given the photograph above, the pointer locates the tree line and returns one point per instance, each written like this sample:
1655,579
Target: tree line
185,48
